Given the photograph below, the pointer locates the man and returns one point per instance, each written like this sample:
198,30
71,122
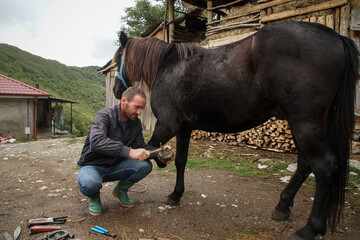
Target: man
115,150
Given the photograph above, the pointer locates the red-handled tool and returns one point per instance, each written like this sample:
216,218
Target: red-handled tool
43,228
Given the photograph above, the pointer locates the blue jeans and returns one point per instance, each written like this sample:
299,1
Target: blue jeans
91,177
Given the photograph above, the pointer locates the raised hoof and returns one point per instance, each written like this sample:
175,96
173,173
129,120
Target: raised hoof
280,216
172,202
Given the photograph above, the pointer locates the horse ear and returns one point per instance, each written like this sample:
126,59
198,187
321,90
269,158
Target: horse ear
123,39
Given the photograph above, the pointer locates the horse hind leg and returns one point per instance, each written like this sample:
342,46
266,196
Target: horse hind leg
312,141
282,210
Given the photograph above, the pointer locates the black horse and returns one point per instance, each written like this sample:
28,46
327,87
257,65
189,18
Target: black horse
302,72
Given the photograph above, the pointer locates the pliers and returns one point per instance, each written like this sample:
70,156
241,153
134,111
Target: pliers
103,231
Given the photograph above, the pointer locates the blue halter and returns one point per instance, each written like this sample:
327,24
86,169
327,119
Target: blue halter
120,76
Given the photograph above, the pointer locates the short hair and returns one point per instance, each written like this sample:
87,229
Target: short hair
131,92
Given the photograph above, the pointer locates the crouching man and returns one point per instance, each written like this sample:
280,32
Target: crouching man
115,150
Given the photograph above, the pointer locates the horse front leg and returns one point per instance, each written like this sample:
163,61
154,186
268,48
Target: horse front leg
162,134
182,149
282,210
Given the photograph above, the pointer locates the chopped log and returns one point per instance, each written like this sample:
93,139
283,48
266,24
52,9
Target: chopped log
272,135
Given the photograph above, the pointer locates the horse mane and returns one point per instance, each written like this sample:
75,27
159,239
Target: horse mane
145,56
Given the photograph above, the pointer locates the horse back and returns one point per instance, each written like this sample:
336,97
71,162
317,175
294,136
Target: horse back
298,64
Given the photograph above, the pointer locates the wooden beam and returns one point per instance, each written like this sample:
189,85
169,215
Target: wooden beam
344,20
300,11
225,5
209,11
266,5
330,21
171,20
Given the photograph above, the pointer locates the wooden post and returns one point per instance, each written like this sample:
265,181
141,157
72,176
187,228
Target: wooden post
209,12
164,23
171,20
344,20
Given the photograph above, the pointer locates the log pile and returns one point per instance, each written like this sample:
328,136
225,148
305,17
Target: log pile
274,135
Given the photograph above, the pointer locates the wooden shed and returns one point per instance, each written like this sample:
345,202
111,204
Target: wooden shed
26,111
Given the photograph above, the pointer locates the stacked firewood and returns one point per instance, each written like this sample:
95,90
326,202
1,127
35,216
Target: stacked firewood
272,135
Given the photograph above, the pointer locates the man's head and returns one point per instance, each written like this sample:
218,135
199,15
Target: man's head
133,101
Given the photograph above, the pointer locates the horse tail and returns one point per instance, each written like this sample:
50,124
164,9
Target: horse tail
340,126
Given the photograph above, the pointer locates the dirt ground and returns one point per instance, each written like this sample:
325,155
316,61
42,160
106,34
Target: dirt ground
39,179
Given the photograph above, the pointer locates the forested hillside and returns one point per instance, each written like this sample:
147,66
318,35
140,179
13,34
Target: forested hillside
83,85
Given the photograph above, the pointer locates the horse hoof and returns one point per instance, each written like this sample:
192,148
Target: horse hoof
172,202
304,234
280,216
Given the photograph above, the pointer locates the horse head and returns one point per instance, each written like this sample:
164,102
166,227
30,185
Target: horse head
121,79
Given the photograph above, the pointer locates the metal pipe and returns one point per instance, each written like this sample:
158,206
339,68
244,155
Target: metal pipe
34,111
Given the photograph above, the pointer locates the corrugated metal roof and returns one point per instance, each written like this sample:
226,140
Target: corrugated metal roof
10,86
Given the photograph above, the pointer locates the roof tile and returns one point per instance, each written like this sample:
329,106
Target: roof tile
10,86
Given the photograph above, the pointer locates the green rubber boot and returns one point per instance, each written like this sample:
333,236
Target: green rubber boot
95,207
120,191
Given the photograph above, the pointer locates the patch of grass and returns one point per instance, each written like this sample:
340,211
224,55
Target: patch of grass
280,166
353,179
72,140
24,152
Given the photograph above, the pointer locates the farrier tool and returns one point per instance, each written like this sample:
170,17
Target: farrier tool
103,231
46,220
57,235
45,228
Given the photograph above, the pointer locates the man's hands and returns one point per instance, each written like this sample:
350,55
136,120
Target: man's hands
140,154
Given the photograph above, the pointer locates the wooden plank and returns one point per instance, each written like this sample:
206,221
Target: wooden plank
266,5
313,19
330,21
321,20
337,20
300,11
225,5
344,20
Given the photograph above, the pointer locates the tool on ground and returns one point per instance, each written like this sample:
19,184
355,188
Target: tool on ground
57,235
46,220
165,154
45,228
8,236
103,231
16,234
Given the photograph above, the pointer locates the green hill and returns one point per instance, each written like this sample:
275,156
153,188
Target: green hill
83,85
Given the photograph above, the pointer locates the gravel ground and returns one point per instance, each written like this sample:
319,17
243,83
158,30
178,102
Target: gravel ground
39,179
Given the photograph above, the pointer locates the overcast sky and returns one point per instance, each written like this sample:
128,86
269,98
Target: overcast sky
73,32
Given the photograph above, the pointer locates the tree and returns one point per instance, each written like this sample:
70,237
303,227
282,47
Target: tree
141,17
144,15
